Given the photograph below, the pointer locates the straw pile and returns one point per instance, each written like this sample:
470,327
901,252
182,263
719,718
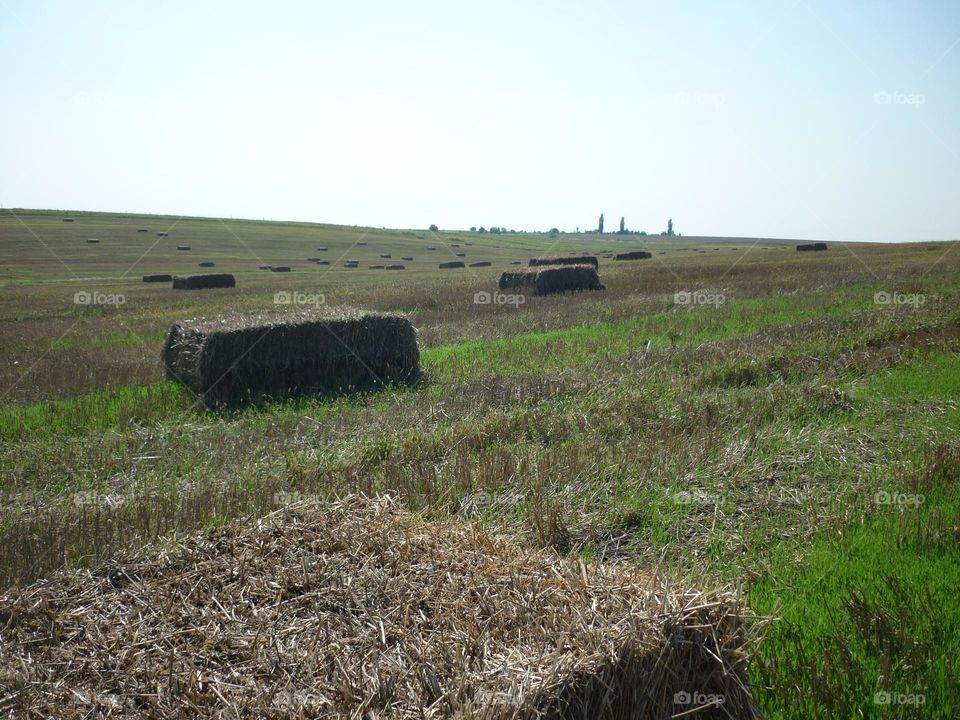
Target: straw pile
582,260
452,264
157,278
633,255
199,282
358,610
552,279
235,359
811,247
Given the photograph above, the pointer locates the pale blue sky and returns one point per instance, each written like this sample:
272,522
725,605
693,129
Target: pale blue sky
733,118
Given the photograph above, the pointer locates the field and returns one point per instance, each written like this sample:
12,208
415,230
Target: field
728,413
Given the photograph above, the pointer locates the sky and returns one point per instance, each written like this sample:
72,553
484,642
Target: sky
825,119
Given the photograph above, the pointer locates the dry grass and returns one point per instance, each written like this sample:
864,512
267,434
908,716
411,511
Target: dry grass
360,610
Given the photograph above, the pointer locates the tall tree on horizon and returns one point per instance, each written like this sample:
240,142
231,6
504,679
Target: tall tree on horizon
601,224
670,227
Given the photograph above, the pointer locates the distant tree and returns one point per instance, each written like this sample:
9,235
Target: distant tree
473,228
670,227
482,229
554,231
600,229
433,228
622,231
495,230
643,232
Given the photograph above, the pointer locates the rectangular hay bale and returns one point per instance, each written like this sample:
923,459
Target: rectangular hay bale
157,278
452,264
552,279
580,260
237,359
200,282
633,255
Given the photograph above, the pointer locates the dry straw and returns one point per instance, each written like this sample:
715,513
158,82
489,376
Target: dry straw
199,282
235,359
359,610
552,279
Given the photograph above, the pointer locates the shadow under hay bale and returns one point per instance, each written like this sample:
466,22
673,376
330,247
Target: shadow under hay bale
375,267
322,249
811,247
407,258
68,219
480,263
313,259
322,262
93,241
142,230
452,264
232,360
580,260
407,613
202,282
183,247
163,234
633,255
460,254
206,263
387,257
552,279
157,278
431,248
264,267
351,265
395,267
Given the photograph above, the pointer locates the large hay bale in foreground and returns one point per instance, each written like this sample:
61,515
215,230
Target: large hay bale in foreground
235,359
580,260
452,264
357,609
200,282
812,247
552,279
157,278
633,255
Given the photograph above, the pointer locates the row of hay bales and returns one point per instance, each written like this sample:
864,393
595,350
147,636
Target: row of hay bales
358,609
236,359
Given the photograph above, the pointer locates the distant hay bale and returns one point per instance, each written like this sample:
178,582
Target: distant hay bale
431,248
395,267
163,234
93,241
454,245
480,263
633,255
68,219
369,611
351,265
238,359
202,282
157,278
280,268
265,267
322,262
206,263
375,267
460,254
142,230
811,247
183,247
552,279
407,258
386,257
322,249
451,264
579,260
313,259
515,262
361,243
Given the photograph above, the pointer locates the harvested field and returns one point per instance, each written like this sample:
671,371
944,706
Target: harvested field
452,264
157,278
199,282
634,255
367,612
552,279
235,359
576,260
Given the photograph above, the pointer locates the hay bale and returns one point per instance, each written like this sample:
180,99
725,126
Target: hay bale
265,267
322,249
451,264
552,279
322,262
633,255
93,241
387,257
142,230
183,247
582,260
68,219
237,359
163,234
361,243
431,248
407,258
201,282
157,278
515,262
811,247
368,611
313,259
375,267
454,245
480,263
351,265
395,267
206,263
460,254
280,268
